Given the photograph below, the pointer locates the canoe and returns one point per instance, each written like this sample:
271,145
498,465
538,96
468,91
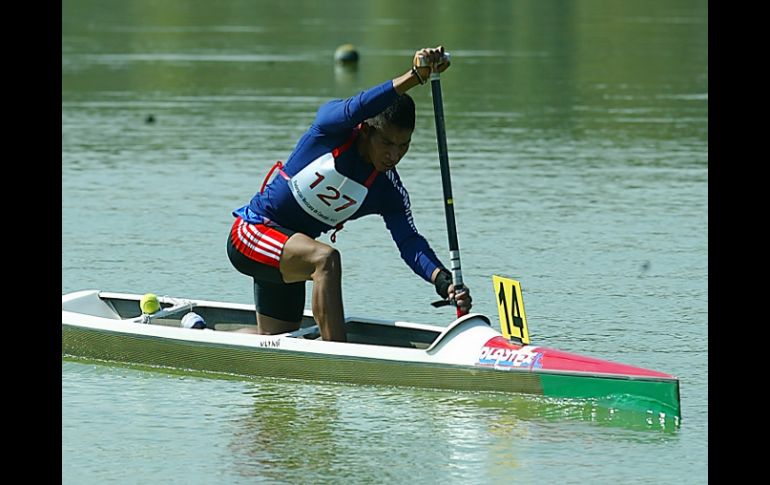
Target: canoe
466,355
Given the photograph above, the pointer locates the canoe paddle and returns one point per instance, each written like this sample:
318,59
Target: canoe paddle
446,182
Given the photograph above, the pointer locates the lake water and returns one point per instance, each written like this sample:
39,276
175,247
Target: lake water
578,141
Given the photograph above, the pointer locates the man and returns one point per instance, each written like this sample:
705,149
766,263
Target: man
342,168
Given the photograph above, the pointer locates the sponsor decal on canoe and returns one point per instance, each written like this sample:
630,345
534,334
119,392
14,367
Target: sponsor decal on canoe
501,354
270,343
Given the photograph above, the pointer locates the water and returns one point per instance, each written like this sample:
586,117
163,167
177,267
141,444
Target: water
577,137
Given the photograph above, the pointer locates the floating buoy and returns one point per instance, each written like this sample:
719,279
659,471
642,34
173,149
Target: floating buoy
346,54
150,119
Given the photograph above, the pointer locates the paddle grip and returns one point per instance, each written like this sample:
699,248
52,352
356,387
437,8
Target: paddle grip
423,62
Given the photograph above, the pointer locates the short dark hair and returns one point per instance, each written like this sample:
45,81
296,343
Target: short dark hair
400,113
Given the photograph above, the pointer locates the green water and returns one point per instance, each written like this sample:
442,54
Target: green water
577,136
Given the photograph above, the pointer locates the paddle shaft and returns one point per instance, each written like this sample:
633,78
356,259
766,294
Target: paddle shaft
446,182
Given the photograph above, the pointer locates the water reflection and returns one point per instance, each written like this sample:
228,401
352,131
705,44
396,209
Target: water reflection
290,428
301,430
346,75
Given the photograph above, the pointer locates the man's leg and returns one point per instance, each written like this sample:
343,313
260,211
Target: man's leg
283,302
304,259
255,250
271,326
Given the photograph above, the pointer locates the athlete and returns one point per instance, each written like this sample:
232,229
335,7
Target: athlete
343,168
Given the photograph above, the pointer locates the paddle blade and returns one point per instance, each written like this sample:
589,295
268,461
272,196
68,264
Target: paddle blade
510,308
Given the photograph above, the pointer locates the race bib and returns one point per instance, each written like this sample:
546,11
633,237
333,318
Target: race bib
326,194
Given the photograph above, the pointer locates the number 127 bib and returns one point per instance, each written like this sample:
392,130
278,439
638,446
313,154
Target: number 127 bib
326,194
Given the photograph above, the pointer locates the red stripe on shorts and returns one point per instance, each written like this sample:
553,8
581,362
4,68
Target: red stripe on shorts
258,242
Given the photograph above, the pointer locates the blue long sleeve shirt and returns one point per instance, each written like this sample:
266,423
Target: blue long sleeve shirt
387,196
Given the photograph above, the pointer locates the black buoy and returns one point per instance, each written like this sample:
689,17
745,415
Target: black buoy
346,54
150,119
644,268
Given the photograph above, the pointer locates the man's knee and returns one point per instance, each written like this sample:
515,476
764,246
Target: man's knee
326,260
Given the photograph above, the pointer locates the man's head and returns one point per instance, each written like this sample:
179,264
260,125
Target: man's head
385,138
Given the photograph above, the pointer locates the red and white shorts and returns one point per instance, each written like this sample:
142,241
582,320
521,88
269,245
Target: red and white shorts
258,242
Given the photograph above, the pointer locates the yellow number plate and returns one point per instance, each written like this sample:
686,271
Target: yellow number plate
510,306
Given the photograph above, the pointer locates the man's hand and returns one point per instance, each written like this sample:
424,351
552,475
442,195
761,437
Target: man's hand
442,280
463,299
429,59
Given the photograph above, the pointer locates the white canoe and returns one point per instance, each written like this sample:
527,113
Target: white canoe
468,354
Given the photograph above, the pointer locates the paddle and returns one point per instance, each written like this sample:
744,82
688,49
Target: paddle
446,182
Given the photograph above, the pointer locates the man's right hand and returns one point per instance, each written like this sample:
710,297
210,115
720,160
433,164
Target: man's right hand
463,300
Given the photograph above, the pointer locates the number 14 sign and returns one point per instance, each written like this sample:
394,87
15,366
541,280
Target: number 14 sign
510,306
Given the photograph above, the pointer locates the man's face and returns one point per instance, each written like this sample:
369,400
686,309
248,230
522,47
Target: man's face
387,146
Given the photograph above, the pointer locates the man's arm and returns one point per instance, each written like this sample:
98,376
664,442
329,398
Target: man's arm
339,115
343,114
419,256
414,249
